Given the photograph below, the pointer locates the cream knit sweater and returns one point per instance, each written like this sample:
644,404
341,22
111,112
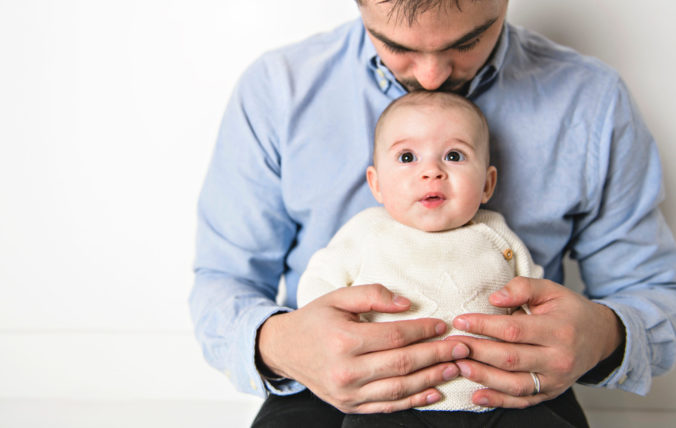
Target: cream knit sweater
444,274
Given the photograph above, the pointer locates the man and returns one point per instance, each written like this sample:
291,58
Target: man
579,173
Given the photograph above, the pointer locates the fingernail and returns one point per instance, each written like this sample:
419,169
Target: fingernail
483,401
464,369
450,372
440,328
433,397
501,294
460,324
460,351
400,300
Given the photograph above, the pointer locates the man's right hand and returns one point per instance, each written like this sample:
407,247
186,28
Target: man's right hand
355,366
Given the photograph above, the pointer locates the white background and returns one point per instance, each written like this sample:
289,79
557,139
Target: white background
108,114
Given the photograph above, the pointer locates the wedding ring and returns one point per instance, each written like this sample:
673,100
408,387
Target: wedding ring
536,381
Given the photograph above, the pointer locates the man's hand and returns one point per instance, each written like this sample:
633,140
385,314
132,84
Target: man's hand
360,367
565,336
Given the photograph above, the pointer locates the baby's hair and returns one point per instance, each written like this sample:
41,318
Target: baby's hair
441,99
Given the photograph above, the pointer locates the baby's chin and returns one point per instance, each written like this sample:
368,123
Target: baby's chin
433,226
436,229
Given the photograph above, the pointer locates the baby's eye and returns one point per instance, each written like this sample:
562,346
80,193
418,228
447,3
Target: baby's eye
406,157
454,156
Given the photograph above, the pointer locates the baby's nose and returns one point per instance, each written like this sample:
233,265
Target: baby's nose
433,172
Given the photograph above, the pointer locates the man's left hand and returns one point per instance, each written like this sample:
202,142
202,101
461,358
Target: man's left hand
566,335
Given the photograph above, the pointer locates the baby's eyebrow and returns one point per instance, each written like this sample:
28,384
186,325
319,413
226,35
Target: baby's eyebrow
464,143
398,143
467,146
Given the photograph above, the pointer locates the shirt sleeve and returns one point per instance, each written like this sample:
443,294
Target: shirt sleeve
624,247
243,235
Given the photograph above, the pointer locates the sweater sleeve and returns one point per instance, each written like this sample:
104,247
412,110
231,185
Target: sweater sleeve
336,265
523,261
525,266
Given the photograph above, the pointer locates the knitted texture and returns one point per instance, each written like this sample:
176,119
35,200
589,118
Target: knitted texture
443,274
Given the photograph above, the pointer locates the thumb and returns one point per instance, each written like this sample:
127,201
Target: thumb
366,298
520,291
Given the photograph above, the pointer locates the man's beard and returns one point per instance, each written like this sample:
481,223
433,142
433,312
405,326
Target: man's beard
451,86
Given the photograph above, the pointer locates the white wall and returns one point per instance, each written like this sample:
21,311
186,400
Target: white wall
108,113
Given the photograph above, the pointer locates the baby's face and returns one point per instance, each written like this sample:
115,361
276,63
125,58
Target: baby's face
431,170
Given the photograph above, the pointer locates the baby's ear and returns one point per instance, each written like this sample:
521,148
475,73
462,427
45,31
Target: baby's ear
491,181
372,180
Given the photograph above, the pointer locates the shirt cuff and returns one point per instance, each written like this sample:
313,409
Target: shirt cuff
254,382
604,368
283,386
633,374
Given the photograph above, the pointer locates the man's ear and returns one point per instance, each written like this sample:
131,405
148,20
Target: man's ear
372,180
489,186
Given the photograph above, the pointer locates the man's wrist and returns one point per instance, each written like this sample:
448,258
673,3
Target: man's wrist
613,353
261,364
616,333
605,367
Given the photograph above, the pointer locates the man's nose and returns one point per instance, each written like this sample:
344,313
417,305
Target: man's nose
431,71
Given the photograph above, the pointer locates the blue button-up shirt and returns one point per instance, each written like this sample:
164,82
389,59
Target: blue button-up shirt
579,173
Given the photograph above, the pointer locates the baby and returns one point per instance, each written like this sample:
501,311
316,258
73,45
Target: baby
429,242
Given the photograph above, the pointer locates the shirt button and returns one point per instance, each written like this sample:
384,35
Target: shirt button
623,379
508,254
253,384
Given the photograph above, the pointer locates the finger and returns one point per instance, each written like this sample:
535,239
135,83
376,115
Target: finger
515,328
505,356
524,291
424,398
396,334
515,384
404,361
492,398
360,299
394,389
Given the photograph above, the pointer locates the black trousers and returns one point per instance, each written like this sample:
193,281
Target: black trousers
306,410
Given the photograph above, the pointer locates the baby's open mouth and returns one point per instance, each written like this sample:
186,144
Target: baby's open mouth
433,197
432,200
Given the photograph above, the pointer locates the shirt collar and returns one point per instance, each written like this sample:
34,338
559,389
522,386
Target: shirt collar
386,81
383,77
494,65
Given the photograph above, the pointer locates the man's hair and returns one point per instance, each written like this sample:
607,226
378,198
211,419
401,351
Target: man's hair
409,10
439,99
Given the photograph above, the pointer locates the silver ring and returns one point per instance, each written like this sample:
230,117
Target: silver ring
536,381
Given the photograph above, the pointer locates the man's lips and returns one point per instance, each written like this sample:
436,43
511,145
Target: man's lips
432,200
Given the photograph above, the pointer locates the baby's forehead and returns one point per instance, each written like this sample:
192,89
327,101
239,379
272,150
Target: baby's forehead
419,106
453,107
460,111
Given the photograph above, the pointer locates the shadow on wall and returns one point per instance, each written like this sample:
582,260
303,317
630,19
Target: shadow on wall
569,25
